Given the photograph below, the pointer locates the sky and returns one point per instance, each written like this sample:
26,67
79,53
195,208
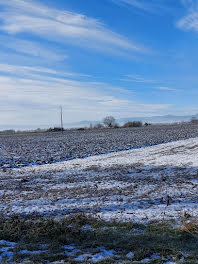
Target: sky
125,58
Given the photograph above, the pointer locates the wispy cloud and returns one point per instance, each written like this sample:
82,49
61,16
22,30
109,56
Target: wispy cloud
32,71
81,99
32,48
20,16
140,79
136,78
190,20
136,3
153,6
165,88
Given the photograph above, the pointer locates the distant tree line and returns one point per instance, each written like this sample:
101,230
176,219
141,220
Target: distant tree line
110,122
194,120
9,131
55,129
133,124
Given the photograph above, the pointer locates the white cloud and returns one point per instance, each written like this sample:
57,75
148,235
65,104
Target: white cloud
153,6
137,4
136,78
32,48
190,4
165,88
25,97
190,20
19,16
37,71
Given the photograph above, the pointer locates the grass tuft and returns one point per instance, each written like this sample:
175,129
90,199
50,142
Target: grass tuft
50,235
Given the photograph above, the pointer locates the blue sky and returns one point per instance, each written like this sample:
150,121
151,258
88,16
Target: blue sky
125,58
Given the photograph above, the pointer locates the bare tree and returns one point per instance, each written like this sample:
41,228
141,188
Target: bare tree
98,126
109,121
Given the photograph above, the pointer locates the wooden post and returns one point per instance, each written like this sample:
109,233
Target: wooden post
61,118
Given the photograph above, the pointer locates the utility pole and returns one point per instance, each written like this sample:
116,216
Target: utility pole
61,118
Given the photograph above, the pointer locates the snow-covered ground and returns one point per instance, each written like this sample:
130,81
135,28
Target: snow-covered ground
21,150
152,183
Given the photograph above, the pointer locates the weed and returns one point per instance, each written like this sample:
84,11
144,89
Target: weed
49,236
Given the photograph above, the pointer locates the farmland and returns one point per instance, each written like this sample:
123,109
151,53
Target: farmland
44,148
131,206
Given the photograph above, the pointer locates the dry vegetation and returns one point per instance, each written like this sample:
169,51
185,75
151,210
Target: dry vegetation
49,240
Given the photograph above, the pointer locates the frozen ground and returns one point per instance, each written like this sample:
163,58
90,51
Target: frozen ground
152,183
44,148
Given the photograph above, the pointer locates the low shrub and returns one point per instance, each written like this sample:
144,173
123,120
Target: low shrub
133,124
